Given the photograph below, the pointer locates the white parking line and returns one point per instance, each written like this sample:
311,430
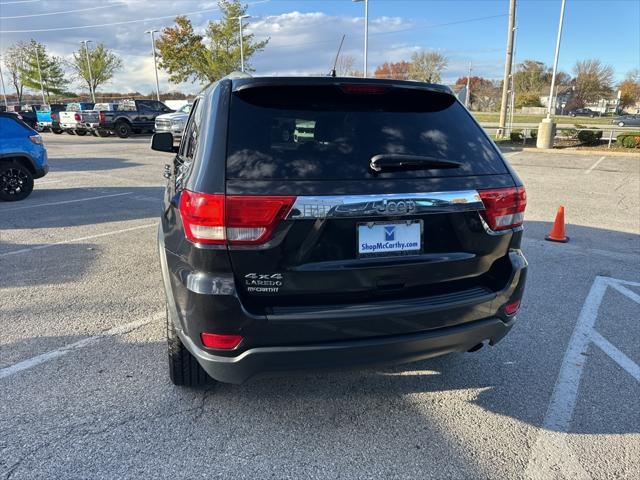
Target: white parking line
512,154
64,202
590,169
80,239
551,454
47,182
620,358
53,354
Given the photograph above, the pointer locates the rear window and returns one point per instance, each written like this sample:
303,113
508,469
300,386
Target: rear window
315,133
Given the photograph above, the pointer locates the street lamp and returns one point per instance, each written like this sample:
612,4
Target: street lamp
547,127
155,61
242,41
40,75
555,61
86,51
366,33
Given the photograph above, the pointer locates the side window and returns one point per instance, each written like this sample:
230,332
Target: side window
188,145
144,107
190,136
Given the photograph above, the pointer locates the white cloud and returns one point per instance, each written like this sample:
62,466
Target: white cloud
301,43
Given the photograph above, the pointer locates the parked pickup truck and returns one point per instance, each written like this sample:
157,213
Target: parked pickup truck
174,122
132,116
47,117
71,118
90,120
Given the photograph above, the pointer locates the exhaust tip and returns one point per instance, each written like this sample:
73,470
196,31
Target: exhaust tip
476,347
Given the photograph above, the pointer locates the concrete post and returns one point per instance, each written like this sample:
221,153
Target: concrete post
546,133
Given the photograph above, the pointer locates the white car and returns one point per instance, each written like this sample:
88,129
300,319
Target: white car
173,122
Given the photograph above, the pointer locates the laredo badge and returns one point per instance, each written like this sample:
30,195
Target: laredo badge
263,282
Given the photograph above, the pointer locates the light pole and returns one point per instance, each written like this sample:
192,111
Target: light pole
155,60
467,96
547,128
4,92
366,33
86,51
507,70
555,61
240,18
40,75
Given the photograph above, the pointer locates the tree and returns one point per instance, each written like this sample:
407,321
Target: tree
592,80
186,55
37,62
630,89
345,66
427,66
104,63
531,77
14,61
396,71
483,93
487,96
528,99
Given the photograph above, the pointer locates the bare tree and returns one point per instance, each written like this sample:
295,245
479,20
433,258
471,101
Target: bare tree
345,65
427,66
15,60
592,79
486,96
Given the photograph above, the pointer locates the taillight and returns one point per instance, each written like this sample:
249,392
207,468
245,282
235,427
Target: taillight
504,207
53,116
101,117
234,219
223,342
512,307
77,117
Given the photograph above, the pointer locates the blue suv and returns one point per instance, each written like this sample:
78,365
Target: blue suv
23,158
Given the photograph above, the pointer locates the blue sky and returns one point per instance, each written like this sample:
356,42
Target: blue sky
305,33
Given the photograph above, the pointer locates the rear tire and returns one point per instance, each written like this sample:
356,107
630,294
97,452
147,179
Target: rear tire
123,130
16,182
184,369
57,131
82,133
103,134
621,124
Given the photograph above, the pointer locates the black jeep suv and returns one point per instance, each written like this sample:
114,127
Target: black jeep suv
388,232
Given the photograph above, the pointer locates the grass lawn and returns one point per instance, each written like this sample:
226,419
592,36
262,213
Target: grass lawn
522,118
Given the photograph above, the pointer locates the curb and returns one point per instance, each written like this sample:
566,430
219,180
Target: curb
573,151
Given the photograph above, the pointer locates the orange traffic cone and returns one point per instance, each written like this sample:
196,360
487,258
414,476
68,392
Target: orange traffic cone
557,231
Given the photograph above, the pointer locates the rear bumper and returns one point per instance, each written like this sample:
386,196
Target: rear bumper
350,354
370,336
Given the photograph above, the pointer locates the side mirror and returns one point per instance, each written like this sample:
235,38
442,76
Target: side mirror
163,142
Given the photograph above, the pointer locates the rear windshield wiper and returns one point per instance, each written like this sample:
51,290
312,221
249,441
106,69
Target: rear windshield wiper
396,161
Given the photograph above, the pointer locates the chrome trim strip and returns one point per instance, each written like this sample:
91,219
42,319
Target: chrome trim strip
384,205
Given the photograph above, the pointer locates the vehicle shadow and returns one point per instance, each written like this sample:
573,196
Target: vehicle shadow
71,164
360,424
28,266
71,207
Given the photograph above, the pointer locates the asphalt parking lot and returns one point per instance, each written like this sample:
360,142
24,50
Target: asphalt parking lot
84,391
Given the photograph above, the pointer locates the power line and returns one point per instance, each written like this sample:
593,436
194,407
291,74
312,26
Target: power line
60,13
468,20
60,29
19,1
126,22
